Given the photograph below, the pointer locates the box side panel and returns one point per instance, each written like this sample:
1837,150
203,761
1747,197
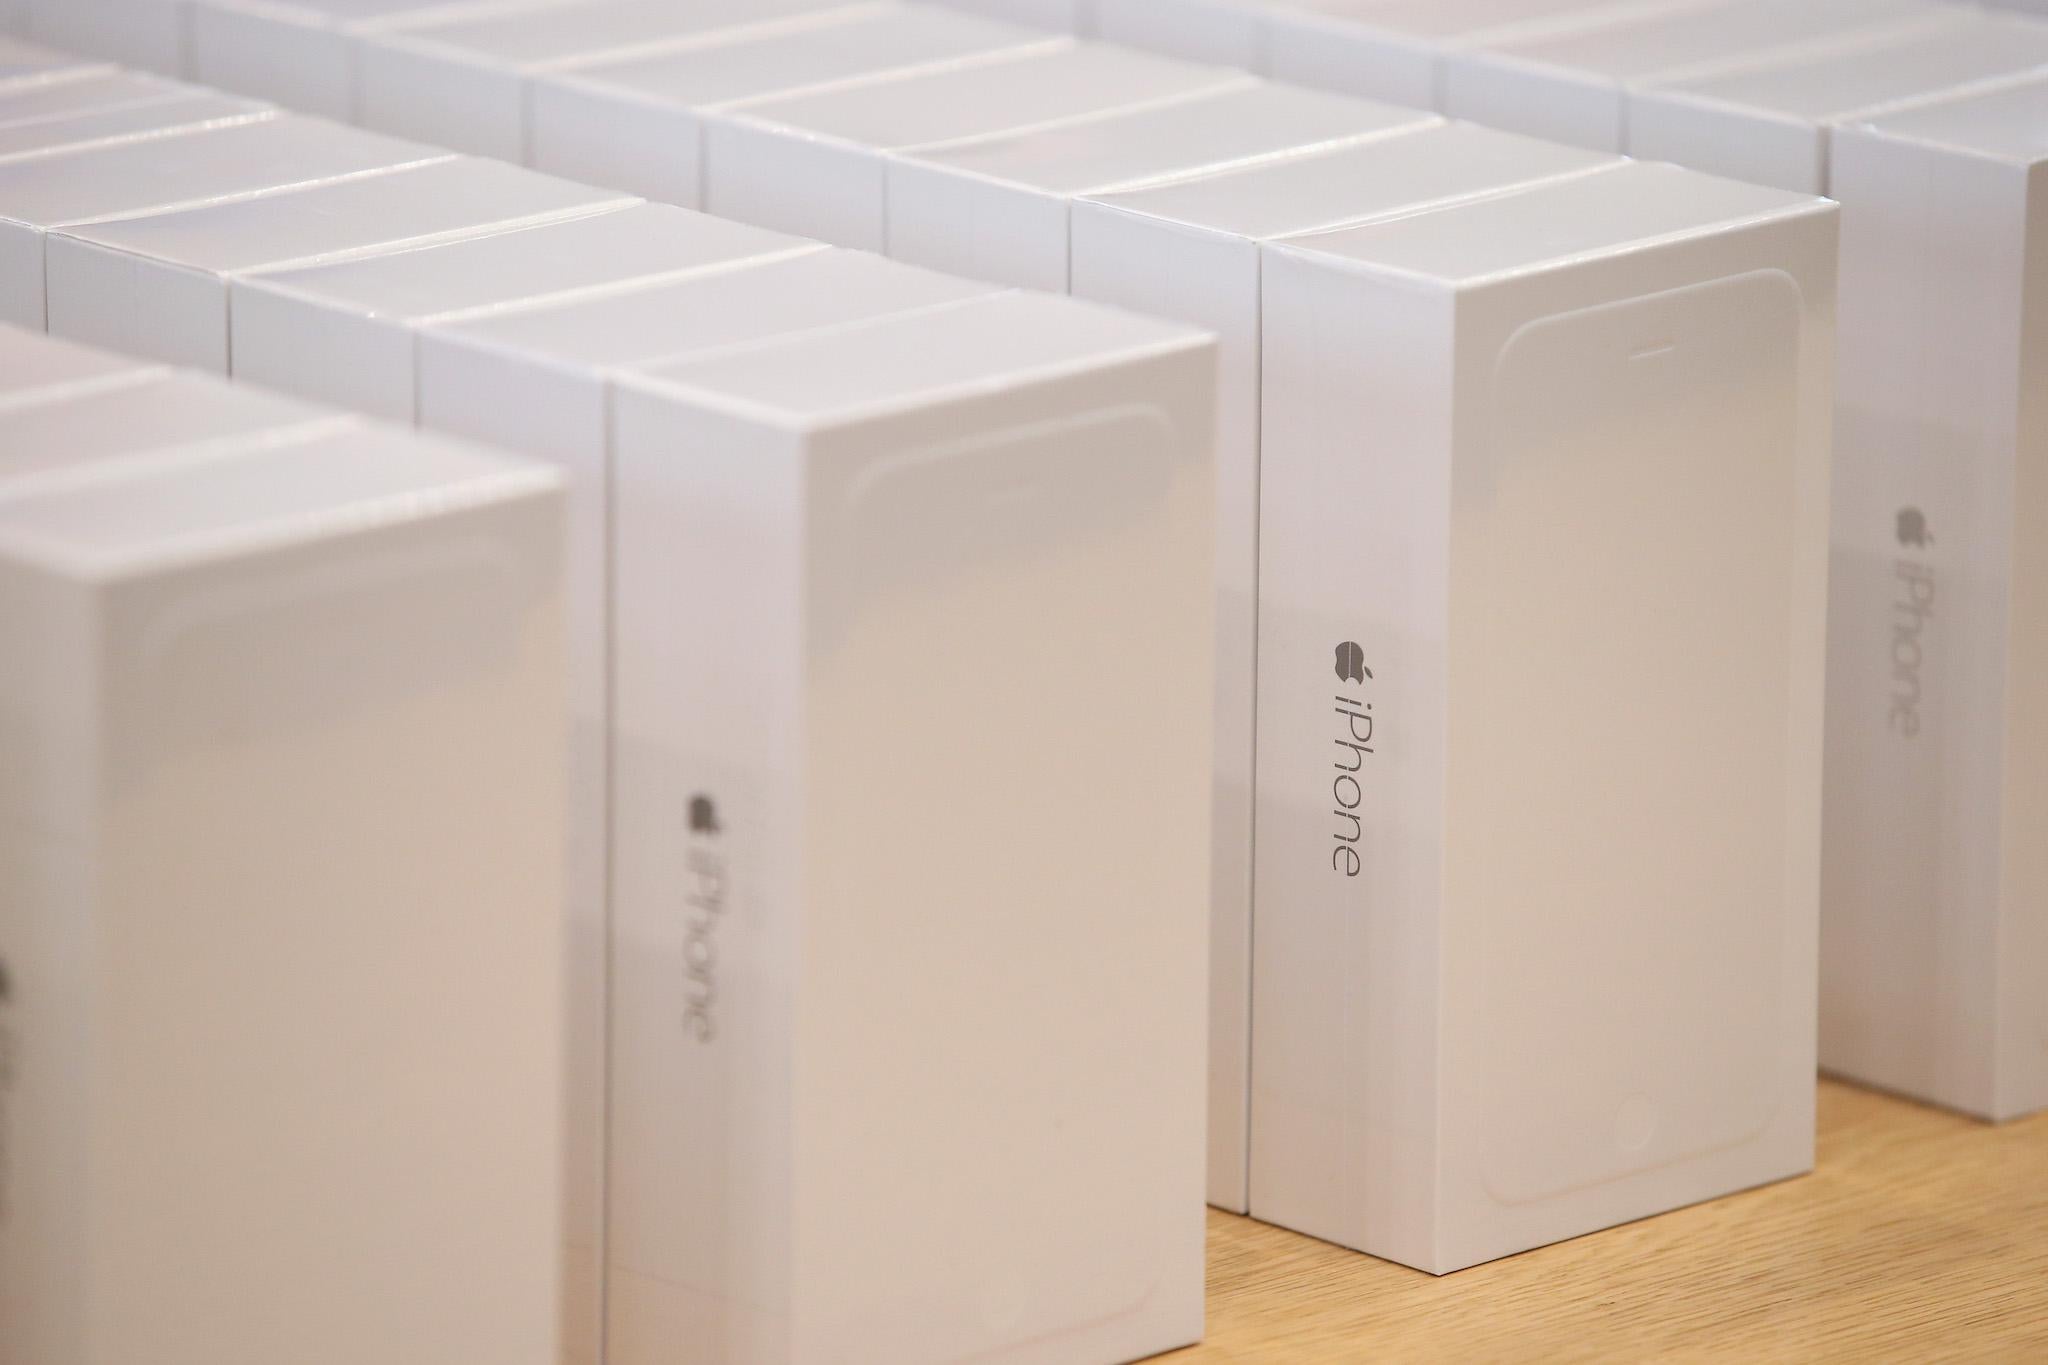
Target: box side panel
1352,59
49,923
1575,108
1008,234
464,106
150,34
1000,1072
136,305
293,59
629,144
710,875
21,276
1743,144
1354,517
1923,550
321,351
335,811
1211,281
824,190
2023,994
1224,32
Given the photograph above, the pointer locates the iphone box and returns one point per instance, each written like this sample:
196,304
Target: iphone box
464,82
997,209
248,157
913,633
1771,123
1934,970
816,164
346,332
637,124
1544,491
352,331
1575,88
158,285
149,34
117,106
537,381
1191,251
279,837
304,52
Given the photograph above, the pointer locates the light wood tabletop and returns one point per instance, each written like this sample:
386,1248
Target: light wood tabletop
1921,1236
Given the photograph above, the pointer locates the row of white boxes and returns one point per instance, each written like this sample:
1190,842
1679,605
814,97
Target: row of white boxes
1588,399
1929,124
889,628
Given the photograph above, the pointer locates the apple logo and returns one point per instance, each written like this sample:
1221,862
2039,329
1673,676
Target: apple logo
703,815
1913,528
1351,663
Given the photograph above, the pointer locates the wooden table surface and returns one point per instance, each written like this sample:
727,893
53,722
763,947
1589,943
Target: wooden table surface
1921,1236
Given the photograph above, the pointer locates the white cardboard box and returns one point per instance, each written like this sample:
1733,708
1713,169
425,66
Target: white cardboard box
1575,88
1190,251
158,285
817,164
303,53
913,750
997,209
538,381
637,124
1543,571
464,83
1771,123
353,331
149,34
250,156
1934,977
278,835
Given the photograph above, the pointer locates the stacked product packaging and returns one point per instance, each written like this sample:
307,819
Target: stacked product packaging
1928,122
862,570
1439,636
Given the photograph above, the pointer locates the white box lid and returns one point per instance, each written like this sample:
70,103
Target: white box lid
724,307
984,98
1246,123
982,345
2009,124
1673,45
1558,222
859,42
196,167
499,269
363,212
1866,80
349,480
538,37
1439,162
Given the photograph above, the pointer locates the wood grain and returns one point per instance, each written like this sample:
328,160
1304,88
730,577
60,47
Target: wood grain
1921,1237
